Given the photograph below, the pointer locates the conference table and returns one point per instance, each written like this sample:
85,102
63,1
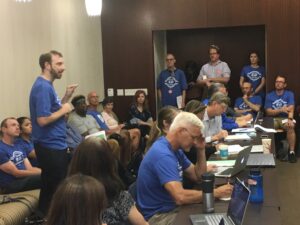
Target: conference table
266,213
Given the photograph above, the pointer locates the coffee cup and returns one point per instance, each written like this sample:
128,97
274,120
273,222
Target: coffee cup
266,143
223,151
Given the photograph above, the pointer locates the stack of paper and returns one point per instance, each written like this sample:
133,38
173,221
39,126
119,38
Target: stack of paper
238,137
263,129
233,149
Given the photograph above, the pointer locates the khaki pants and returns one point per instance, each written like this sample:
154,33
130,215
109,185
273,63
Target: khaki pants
164,218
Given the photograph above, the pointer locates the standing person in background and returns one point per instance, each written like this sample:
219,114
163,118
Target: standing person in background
255,74
171,84
215,70
49,127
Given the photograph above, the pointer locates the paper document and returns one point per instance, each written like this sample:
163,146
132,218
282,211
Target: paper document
257,149
223,163
101,134
179,101
263,129
243,130
238,137
286,120
233,149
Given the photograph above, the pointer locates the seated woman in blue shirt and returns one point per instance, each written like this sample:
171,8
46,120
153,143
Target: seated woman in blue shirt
24,140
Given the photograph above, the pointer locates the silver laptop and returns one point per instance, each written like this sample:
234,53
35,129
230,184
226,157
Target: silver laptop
261,160
240,164
256,119
236,209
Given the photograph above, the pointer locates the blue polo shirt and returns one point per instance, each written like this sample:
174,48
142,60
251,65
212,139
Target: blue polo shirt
43,101
241,105
14,154
161,165
171,85
274,101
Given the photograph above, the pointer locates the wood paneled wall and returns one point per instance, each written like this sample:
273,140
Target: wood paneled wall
127,28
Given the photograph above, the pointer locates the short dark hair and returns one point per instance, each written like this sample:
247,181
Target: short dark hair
21,120
107,100
214,47
282,76
47,57
76,99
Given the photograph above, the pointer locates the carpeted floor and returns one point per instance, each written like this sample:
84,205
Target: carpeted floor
288,179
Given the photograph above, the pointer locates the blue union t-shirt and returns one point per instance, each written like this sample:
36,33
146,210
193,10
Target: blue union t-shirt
274,101
171,85
254,75
14,154
43,102
241,105
161,165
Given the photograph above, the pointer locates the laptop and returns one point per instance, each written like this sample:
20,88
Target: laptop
239,165
256,119
261,160
236,209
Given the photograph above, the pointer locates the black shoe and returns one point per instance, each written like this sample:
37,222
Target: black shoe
292,157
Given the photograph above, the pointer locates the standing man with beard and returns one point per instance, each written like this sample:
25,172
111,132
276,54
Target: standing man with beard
49,128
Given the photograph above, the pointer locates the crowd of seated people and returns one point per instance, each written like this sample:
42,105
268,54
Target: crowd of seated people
175,138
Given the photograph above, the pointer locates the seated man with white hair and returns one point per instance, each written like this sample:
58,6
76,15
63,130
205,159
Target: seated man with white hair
159,182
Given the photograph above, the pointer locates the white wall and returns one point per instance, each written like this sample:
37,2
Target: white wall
29,29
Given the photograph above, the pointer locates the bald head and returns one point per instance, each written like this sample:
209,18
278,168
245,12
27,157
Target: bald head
93,98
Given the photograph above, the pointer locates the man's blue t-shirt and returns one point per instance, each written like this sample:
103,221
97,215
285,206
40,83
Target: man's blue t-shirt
241,105
98,117
43,102
171,85
254,75
274,101
10,153
161,165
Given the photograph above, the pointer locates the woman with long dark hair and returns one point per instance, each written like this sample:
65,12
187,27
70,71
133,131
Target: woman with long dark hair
93,157
255,74
69,200
140,114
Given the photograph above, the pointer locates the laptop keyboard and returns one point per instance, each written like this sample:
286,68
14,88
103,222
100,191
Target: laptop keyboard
214,219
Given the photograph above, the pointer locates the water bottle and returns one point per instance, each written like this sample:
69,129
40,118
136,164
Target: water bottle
208,192
256,186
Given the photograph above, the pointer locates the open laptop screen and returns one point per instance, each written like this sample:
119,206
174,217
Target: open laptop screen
238,203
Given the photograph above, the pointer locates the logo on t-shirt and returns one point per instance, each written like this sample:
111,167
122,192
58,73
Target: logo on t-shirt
279,103
254,75
243,106
179,167
17,158
171,82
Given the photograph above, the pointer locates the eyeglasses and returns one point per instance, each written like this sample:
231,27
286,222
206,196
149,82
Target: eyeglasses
279,81
169,59
195,138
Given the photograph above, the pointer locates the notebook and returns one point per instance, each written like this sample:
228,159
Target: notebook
261,160
240,164
236,209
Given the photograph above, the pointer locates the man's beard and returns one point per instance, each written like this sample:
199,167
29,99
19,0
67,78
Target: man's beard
55,74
